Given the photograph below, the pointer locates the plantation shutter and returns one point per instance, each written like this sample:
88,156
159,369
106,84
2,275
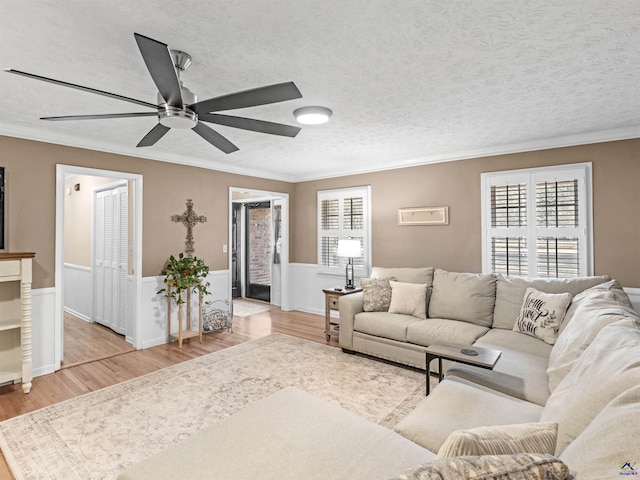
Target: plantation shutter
536,222
342,214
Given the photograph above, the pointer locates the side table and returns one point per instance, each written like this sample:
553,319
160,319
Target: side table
477,356
331,302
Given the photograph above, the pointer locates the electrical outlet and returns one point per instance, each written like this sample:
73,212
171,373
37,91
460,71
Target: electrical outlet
224,248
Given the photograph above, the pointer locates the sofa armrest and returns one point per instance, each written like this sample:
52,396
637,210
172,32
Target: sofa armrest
349,306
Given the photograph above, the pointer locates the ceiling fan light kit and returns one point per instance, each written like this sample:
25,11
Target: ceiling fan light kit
312,115
178,107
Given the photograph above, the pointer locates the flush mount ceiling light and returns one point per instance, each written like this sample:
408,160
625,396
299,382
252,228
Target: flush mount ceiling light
312,115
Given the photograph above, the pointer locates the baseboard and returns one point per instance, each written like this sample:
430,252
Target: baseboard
79,315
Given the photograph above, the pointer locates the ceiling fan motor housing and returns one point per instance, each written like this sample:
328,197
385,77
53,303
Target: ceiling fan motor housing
173,117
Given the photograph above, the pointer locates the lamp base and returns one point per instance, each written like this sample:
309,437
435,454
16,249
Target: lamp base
349,287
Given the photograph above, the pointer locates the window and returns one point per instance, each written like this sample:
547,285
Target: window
343,213
537,222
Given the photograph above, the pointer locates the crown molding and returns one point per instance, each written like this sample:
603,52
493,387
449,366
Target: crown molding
71,141
530,146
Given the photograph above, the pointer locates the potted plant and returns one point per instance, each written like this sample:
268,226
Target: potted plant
182,274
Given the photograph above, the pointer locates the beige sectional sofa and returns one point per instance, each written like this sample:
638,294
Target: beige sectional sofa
587,381
561,410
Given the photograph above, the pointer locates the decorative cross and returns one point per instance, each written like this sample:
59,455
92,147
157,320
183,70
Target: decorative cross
189,219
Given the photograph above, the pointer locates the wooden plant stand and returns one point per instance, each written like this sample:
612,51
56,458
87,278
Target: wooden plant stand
182,334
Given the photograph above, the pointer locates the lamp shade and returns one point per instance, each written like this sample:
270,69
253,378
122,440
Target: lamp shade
349,248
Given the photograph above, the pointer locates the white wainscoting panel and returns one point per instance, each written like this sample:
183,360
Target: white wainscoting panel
154,306
43,330
634,296
306,285
78,291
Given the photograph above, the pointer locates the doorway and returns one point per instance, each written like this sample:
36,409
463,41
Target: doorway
258,256
258,239
76,284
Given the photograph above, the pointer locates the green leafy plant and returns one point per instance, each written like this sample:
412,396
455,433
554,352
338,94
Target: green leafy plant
184,273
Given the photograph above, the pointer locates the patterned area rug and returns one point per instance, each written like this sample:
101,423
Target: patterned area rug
97,435
244,308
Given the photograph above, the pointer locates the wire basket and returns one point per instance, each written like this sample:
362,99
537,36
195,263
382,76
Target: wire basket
217,315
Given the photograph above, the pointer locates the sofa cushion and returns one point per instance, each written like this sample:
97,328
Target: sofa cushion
376,294
408,299
290,434
405,274
468,297
611,287
541,314
518,374
384,324
615,431
537,437
442,330
523,466
510,340
609,366
590,311
510,293
457,404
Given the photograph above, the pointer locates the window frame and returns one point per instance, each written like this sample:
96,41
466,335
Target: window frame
582,172
341,194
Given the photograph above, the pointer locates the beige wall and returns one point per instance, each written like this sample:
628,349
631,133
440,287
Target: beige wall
78,211
457,247
30,206
30,203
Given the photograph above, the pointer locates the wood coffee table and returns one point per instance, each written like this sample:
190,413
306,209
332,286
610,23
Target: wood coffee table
477,356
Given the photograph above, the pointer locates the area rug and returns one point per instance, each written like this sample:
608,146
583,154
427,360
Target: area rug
244,308
97,435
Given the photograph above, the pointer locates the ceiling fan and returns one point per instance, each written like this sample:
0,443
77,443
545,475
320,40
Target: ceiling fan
178,107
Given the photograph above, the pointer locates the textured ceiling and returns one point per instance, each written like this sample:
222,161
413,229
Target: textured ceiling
409,81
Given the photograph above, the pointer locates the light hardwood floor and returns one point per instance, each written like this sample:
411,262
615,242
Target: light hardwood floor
86,377
87,342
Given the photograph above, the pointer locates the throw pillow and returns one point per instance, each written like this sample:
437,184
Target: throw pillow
502,440
409,299
376,294
541,314
523,466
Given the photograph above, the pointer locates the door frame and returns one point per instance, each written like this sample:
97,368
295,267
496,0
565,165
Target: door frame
284,255
135,306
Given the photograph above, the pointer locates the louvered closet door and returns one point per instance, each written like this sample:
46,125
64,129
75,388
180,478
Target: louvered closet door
110,277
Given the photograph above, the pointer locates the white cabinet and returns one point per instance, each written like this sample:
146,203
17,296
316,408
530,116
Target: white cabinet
15,319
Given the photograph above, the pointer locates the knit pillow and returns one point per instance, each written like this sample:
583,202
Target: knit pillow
376,294
541,314
502,440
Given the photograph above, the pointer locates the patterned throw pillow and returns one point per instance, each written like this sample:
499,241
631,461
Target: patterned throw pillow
535,437
376,294
523,466
541,314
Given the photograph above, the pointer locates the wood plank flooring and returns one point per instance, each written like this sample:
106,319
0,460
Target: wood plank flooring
87,342
86,377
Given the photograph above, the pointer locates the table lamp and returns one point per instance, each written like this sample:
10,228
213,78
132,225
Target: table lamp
349,248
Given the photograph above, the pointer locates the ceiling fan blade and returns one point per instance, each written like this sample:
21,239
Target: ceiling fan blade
155,134
100,117
279,92
80,87
251,124
214,138
159,61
